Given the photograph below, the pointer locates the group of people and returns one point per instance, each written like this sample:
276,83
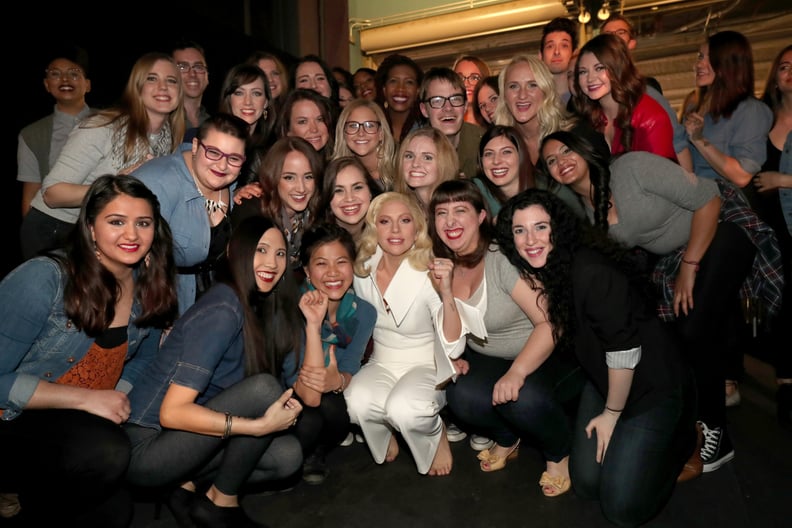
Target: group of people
532,258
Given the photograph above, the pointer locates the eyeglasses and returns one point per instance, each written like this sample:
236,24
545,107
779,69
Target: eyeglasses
75,74
473,77
185,67
621,33
370,127
438,101
215,154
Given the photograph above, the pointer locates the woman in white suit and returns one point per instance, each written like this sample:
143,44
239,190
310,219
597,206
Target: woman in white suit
397,390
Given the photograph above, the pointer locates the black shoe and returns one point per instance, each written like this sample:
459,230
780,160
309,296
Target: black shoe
717,448
205,514
315,469
784,405
179,503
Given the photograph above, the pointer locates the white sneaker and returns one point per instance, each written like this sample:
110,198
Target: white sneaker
480,443
454,433
348,440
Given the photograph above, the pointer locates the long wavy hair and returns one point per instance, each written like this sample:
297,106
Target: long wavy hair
131,114
627,85
273,325
421,252
386,150
731,58
91,290
270,172
329,181
461,191
599,172
447,160
525,177
551,114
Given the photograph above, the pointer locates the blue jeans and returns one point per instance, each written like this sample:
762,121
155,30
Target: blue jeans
537,416
644,457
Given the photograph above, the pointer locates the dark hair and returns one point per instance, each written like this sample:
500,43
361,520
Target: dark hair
71,52
381,79
323,233
331,80
439,73
460,190
225,123
275,311
91,290
526,177
329,180
560,24
492,82
599,171
184,43
772,94
240,75
346,74
614,17
328,110
731,59
627,85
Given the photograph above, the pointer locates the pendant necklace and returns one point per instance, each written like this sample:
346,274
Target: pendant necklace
212,206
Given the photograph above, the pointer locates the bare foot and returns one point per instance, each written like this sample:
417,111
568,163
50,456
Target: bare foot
393,449
443,460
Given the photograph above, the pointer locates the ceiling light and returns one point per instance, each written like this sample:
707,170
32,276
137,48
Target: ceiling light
584,16
604,11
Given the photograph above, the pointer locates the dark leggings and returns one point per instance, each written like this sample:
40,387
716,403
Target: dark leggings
644,456
708,327
67,465
170,457
325,425
536,416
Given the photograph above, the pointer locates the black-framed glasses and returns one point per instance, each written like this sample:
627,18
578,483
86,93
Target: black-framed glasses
54,74
215,154
185,67
369,127
473,77
438,101
621,33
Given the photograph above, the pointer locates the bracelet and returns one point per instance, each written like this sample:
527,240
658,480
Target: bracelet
340,388
691,262
228,420
613,411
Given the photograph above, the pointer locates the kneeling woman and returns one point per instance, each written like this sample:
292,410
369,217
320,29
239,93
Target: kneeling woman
209,412
636,421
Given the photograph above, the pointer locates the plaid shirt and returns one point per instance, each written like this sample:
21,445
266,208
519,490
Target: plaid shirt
764,282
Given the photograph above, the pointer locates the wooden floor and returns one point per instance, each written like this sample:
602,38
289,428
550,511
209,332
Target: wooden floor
754,490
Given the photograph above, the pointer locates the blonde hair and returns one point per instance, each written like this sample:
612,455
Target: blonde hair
447,160
421,252
386,150
551,114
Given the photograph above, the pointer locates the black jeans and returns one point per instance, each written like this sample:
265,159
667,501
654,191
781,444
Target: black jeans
67,465
169,457
326,425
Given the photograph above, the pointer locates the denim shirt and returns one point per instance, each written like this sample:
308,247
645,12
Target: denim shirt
742,136
785,195
204,351
39,342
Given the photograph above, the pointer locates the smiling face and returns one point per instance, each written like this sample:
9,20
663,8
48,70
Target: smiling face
566,166
557,51
531,231
419,164
784,73
361,143
161,89
123,233
523,96
216,175
194,83
593,77
269,261
249,101
330,270
487,102
297,183
447,119
306,121
364,85
457,225
501,163
401,89
705,75
269,67
351,197
396,230
471,76
311,76
70,86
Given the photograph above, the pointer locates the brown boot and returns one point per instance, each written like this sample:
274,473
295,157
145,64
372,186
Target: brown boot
694,466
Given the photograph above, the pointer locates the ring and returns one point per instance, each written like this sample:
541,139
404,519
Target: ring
294,422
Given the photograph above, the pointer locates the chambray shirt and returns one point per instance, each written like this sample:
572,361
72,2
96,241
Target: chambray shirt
204,351
39,342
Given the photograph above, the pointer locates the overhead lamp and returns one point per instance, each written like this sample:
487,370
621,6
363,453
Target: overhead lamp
604,11
584,17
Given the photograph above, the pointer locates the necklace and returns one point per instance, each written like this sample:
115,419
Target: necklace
212,206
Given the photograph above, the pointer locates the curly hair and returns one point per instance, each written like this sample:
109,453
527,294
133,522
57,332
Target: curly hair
627,85
91,290
421,252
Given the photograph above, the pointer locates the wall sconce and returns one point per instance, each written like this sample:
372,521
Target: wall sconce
584,17
604,11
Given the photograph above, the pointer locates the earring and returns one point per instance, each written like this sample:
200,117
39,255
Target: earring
147,259
97,252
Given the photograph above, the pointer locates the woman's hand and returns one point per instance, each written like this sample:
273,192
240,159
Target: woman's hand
694,126
683,288
136,166
768,181
251,190
441,271
461,366
603,425
313,305
280,415
110,404
321,379
507,388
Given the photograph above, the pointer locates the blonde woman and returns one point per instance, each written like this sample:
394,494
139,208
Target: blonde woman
363,132
426,159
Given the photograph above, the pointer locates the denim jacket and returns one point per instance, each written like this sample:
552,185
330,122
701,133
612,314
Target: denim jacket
785,195
38,342
204,351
